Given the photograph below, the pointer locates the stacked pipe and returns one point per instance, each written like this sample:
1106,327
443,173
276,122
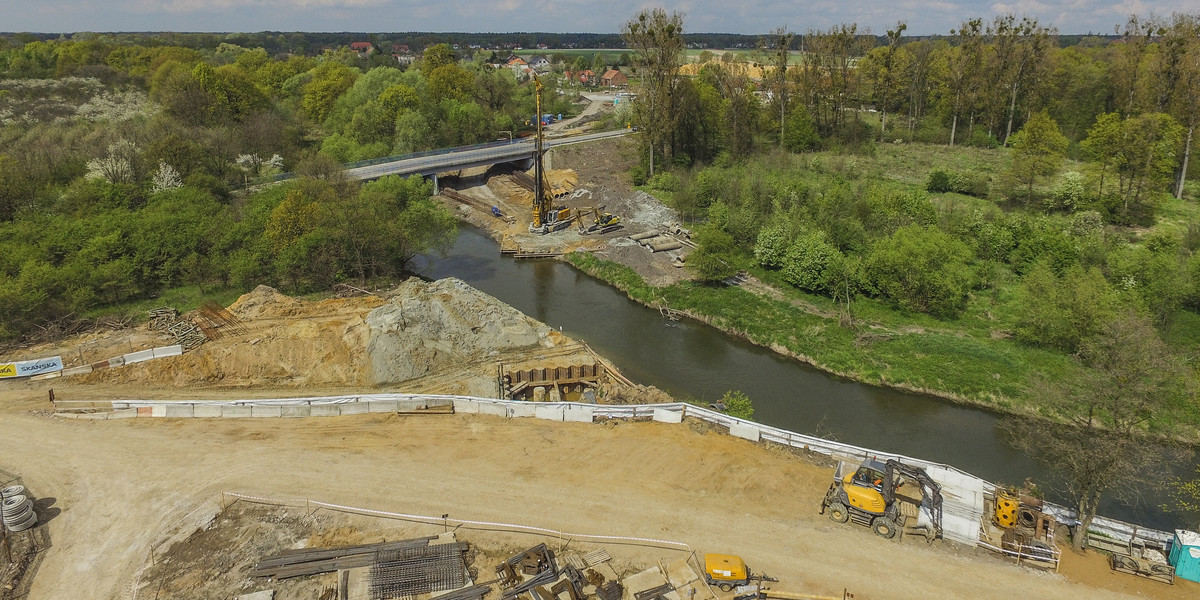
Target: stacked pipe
17,509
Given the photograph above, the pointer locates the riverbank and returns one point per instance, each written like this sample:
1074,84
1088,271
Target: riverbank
989,374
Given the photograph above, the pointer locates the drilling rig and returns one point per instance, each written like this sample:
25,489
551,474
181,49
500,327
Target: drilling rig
546,218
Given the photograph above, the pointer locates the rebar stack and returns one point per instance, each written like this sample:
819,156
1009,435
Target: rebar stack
410,572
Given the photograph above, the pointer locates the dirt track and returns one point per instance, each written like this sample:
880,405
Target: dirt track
119,484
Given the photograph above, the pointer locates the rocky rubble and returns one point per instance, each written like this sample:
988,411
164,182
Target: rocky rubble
428,326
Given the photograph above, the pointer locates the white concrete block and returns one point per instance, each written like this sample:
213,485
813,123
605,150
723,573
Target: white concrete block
578,414
295,410
523,409
236,412
549,413
164,351
137,357
177,411
667,416
266,410
207,411
158,410
487,408
382,406
748,432
469,407
354,408
325,410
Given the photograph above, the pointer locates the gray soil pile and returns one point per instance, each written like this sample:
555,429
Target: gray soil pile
430,326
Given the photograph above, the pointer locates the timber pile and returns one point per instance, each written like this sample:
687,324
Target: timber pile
312,561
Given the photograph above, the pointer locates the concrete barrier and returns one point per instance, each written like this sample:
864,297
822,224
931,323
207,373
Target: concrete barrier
178,411
165,351
50,375
236,412
548,412
124,413
137,357
158,410
84,370
354,408
207,411
578,414
295,410
266,411
667,416
324,410
469,407
744,431
487,408
382,406
523,409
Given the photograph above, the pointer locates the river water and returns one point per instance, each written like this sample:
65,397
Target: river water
693,360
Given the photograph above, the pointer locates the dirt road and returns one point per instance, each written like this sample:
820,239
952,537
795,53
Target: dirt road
120,484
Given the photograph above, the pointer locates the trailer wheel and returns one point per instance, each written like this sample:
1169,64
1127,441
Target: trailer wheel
838,512
884,527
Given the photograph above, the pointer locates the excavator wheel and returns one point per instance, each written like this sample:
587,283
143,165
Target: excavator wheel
838,512
884,527
726,587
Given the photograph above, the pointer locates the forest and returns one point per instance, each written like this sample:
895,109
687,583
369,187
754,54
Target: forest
128,167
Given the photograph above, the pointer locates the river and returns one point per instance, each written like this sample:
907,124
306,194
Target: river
693,360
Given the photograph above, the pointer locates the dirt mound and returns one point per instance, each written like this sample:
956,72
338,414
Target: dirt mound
261,301
428,326
647,211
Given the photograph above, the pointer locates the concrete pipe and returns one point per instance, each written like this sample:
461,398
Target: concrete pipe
645,235
665,247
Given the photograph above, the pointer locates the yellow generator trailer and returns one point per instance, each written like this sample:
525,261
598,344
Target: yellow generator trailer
867,496
725,571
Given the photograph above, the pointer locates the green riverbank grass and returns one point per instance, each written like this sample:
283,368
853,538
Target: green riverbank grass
886,347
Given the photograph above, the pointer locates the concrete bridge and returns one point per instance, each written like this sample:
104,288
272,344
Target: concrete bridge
453,159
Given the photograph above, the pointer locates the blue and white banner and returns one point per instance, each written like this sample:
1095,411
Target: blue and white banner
29,368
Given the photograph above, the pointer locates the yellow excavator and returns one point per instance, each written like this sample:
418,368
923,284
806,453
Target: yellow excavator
604,221
867,496
546,218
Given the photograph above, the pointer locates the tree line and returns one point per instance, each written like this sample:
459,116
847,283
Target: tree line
121,165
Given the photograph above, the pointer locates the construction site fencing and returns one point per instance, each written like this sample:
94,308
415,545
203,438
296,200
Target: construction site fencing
963,493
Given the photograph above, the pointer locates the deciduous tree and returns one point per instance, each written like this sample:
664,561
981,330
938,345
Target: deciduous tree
1093,430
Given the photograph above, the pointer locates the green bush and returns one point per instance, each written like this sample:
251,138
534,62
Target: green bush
938,182
810,262
921,269
665,181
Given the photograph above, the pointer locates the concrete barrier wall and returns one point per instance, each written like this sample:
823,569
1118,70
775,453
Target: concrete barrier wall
962,492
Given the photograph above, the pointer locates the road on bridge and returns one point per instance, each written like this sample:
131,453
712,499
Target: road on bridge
466,158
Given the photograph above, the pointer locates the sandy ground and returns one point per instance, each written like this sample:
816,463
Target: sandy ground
121,484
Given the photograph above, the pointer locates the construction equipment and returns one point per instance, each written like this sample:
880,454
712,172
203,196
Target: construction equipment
868,497
727,572
603,222
546,218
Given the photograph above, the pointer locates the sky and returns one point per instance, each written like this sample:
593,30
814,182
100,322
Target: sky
924,17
